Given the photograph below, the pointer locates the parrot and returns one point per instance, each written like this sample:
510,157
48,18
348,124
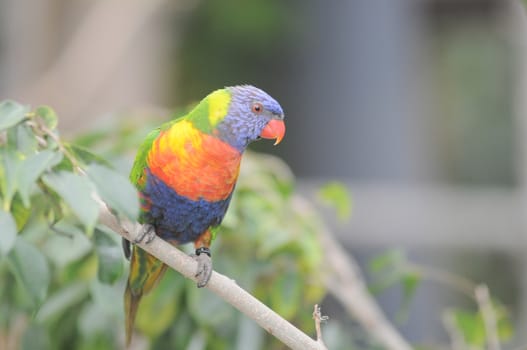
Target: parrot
185,172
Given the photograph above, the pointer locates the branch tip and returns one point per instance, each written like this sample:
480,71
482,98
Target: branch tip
319,318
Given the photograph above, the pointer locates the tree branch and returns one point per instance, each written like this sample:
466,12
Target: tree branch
479,293
484,301
221,285
457,341
345,282
347,285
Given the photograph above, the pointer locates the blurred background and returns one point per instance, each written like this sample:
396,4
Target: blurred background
418,106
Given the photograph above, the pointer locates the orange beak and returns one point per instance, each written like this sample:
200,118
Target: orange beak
275,129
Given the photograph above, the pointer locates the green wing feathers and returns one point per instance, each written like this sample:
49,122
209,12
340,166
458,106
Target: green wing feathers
145,269
138,169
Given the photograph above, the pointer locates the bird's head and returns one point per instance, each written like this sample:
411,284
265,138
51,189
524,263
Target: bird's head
244,114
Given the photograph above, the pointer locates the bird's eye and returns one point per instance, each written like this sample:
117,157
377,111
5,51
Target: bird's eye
257,108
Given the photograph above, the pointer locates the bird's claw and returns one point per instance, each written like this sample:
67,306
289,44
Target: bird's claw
148,232
204,271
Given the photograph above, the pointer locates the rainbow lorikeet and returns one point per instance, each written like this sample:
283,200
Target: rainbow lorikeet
185,173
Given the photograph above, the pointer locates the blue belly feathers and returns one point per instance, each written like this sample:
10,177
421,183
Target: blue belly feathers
177,218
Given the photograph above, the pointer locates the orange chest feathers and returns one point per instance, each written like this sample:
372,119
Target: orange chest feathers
194,164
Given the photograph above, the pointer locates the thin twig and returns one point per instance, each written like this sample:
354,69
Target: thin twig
456,338
46,131
479,293
459,283
484,301
317,316
221,285
345,282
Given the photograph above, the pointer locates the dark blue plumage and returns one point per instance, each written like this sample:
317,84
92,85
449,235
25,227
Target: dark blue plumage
177,218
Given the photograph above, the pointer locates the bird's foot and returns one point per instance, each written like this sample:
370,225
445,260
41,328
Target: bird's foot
204,271
147,231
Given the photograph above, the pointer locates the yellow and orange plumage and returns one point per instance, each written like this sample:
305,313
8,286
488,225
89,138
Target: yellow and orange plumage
197,165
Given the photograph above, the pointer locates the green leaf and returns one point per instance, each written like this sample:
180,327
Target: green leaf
274,242
7,232
389,260
26,141
337,196
158,309
31,269
31,169
11,113
286,294
410,282
48,115
387,270
35,337
471,327
20,213
61,301
85,156
110,258
69,244
77,192
116,190
102,315
90,322
505,324
206,308
105,296
11,161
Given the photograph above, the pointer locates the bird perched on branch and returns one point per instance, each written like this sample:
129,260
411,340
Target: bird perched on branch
185,173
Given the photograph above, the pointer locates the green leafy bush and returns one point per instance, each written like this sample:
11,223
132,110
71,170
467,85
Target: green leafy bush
63,274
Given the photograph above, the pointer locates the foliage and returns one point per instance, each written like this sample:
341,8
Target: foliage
393,268
336,195
63,275
471,326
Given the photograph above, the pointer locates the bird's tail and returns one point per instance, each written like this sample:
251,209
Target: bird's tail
145,273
